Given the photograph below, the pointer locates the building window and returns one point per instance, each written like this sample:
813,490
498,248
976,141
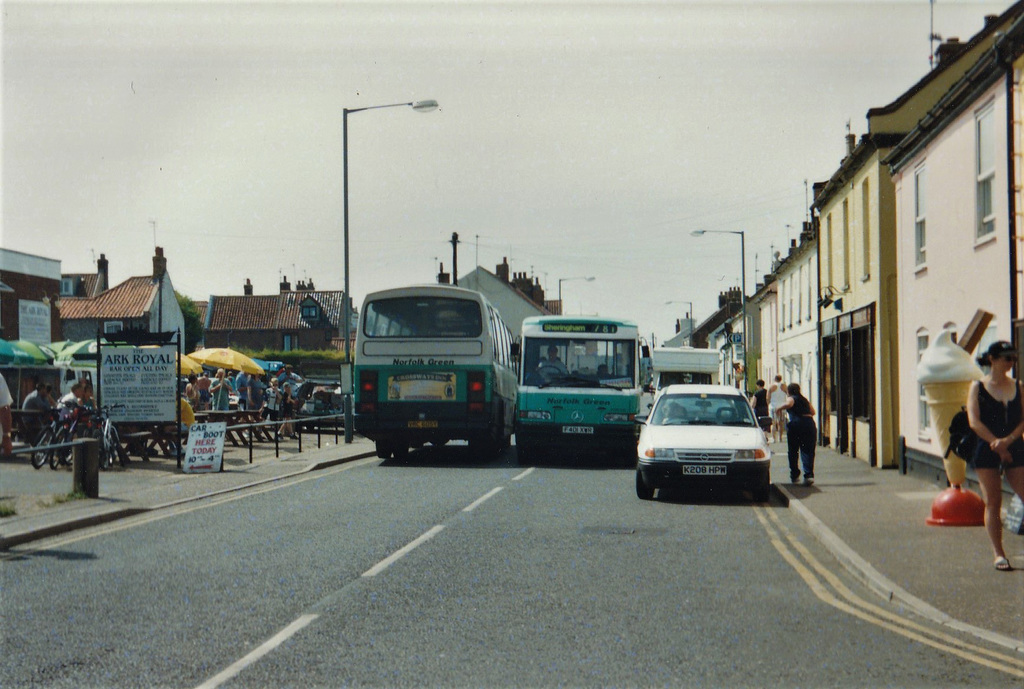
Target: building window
310,312
67,287
112,327
828,247
846,244
865,216
289,343
799,295
920,235
923,420
986,161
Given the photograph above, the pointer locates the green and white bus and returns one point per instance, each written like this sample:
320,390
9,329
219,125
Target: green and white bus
433,364
579,387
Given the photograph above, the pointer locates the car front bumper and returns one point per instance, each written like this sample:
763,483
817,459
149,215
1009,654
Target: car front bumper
663,474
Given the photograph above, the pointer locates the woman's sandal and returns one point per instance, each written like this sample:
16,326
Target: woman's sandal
1003,565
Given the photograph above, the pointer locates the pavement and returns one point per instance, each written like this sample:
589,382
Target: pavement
871,520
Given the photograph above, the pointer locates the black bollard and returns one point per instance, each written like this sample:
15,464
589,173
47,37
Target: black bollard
85,454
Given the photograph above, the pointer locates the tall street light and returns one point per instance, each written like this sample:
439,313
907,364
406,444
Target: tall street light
561,280
743,287
418,106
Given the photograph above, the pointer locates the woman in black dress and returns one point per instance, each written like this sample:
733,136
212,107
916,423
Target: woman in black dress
995,412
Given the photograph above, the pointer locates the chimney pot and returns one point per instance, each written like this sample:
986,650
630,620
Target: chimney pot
247,288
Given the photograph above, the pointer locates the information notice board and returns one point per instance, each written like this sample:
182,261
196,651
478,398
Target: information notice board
142,379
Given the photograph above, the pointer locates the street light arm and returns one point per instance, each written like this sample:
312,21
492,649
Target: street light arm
418,106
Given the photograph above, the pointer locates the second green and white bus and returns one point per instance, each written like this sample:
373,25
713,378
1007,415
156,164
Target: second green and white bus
579,387
433,363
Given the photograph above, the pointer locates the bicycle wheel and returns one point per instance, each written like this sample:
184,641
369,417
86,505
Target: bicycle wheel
105,459
41,457
114,443
61,455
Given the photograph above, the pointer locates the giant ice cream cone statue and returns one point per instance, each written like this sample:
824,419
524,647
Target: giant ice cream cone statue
946,372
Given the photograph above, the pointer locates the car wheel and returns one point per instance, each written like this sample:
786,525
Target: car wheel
524,454
643,491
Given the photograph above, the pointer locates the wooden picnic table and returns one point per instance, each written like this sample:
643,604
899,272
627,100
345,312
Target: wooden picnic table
144,439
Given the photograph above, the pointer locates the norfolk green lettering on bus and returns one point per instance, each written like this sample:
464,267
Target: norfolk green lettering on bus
422,362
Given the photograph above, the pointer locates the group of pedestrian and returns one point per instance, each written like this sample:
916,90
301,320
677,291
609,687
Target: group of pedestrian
273,396
772,406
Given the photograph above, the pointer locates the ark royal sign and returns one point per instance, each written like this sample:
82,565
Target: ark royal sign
143,379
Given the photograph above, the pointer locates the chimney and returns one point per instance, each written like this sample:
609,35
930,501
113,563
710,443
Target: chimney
502,270
159,264
285,285
444,278
102,275
990,19
851,143
950,50
247,288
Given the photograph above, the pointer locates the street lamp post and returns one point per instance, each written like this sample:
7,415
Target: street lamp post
418,106
561,280
743,287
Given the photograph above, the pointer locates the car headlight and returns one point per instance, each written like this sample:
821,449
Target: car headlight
536,415
748,455
618,418
660,453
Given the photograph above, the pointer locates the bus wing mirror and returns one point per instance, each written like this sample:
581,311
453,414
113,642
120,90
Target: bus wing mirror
515,351
645,352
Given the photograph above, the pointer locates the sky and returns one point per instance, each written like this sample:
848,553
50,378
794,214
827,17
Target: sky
575,139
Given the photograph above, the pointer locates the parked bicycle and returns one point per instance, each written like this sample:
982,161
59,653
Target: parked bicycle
105,431
46,439
73,421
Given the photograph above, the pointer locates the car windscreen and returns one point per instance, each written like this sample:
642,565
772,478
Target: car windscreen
702,410
422,317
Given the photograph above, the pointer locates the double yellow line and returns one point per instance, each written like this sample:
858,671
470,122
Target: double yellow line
831,590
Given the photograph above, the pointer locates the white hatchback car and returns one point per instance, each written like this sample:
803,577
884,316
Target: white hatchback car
702,433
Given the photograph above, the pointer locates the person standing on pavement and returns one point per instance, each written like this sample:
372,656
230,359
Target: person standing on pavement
220,391
994,410
802,434
242,382
203,384
287,411
776,398
6,420
271,400
256,389
759,402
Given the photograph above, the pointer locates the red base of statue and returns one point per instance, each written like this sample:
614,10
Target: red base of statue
957,507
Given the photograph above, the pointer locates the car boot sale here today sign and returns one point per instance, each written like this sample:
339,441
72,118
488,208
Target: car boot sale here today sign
204,451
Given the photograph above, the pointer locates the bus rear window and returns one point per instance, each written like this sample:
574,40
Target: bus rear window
422,317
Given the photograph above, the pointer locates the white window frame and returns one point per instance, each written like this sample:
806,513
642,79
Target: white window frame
924,419
985,169
112,327
920,217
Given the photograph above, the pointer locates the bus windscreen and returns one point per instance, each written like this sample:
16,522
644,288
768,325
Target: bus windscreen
422,317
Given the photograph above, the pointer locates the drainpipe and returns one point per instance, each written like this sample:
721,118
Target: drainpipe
1011,225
